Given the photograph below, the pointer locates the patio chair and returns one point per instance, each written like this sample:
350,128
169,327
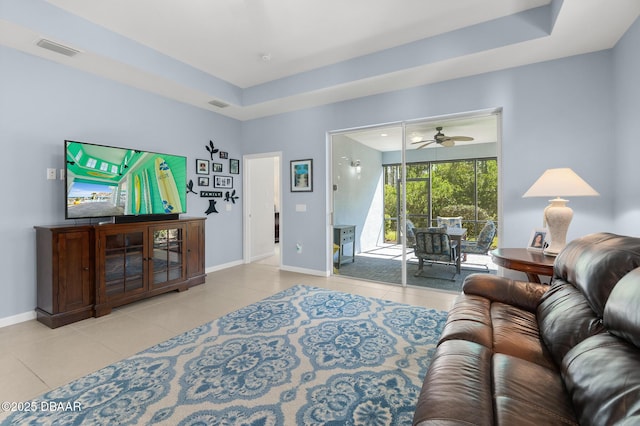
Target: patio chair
411,234
449,222
482,243
435,246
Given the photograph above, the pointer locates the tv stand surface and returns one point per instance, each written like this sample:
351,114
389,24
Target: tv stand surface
145,218
86,270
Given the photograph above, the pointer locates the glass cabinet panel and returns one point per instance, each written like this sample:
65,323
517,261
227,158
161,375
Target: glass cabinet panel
124,262
167,255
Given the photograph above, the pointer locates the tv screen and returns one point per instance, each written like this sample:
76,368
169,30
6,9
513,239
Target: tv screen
103,181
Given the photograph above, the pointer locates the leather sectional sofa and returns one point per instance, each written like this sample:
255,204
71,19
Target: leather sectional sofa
519,353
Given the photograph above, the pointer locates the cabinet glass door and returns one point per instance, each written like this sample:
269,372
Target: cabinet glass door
124,262
167,255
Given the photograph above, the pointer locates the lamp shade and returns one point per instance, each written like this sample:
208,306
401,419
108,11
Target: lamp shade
562,182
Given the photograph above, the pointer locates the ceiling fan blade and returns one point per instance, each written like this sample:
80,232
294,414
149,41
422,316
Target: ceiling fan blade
426,144
448,142
422,141
460,138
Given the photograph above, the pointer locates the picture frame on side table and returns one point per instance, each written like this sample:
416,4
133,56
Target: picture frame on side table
538,239
301,175
202,167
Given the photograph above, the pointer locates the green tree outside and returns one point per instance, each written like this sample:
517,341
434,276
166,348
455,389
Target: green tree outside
467,188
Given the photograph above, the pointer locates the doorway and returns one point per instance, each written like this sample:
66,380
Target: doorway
408,174
261,208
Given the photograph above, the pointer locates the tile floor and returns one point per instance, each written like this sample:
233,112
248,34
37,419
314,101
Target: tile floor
35,359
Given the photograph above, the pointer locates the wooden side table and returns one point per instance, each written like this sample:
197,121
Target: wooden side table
530,262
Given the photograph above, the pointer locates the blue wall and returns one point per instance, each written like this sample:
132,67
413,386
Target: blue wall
626,144
580,112
555,114
42,104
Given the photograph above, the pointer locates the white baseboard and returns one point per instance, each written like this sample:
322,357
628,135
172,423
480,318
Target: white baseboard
305,271
16,319
224,266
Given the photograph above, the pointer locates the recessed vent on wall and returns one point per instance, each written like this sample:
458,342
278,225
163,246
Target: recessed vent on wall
57,47
219,104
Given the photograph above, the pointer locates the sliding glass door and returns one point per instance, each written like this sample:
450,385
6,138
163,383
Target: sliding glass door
410,172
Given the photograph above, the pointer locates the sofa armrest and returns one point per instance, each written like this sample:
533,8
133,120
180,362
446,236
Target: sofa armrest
522,294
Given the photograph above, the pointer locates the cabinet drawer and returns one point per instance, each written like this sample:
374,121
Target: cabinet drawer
344,234
347,239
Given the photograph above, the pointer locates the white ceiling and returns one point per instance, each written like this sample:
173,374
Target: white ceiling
312,44
228,38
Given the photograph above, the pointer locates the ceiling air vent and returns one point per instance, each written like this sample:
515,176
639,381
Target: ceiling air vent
56,47
219,104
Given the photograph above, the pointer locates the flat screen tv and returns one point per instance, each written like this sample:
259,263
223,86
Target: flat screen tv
106,181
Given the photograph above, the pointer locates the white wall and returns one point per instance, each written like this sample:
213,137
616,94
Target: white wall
358,198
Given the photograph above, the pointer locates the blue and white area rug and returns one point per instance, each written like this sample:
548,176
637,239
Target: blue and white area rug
305,356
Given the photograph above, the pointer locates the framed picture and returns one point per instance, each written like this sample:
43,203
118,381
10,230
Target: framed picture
217,167
202,167
224,154
222,181
203,181
538,239
234,166
301,175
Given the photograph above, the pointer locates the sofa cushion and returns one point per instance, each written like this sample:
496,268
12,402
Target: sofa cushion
565,319
515,333
529,394
622,311
595,263
500,327
457,388
602,374
469,319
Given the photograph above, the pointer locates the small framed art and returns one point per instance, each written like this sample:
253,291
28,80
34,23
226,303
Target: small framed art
234,166
222,181
202,167
217,167
538,239
203,181
301,175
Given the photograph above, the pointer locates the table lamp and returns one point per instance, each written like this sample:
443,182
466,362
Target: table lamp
557,215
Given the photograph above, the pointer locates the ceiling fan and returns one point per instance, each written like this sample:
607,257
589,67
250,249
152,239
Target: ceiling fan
441,139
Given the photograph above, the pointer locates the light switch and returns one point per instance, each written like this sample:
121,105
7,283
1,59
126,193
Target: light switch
301,207
51,174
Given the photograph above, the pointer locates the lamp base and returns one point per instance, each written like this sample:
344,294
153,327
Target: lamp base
557,217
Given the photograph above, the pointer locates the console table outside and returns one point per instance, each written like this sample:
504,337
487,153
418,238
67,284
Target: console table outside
343,235
530,262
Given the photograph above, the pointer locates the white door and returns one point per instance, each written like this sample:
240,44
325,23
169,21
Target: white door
261,179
